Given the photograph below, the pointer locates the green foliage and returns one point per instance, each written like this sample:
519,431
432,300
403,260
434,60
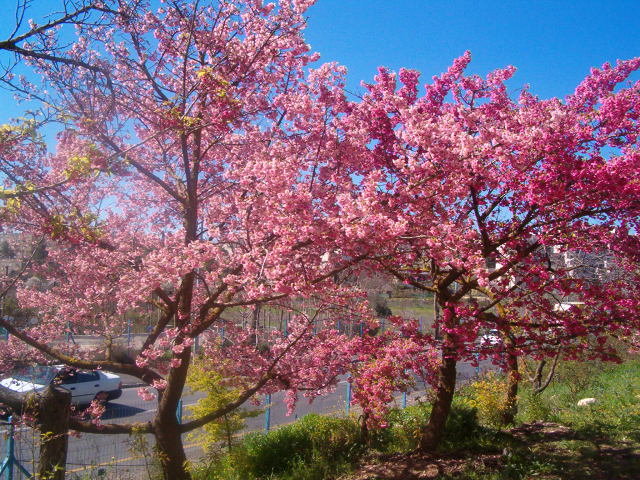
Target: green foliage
579,376
86,224
202,377
21,128
615,387
405,426
534,407
312,448
312,439
488,396
81,165
463,431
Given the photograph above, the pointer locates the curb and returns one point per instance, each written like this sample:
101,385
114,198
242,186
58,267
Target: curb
134,385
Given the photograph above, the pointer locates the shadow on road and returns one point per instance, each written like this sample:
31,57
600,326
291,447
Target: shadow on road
119,410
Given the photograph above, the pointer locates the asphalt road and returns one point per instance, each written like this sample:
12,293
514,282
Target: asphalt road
125,456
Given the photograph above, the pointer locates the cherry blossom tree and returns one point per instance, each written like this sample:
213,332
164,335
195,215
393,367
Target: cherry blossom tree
465,191
205,167
191,173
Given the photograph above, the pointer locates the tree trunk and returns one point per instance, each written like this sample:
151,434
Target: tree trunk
54,408
513,379
538,384
170,450
434,431
364,430
166,426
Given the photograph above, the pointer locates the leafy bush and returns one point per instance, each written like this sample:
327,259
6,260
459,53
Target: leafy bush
579,376
405,427
278,450
462,431
311,448
534,407
317,447
488,397
312,439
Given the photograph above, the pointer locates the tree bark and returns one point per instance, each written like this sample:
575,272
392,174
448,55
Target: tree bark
167,430
537,378
364,430
170,450
538,384
434,431
54,407
513,380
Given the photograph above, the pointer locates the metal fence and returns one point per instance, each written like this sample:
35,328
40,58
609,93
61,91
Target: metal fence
90,456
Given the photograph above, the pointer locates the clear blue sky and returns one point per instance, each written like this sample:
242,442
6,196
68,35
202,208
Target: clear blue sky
552,43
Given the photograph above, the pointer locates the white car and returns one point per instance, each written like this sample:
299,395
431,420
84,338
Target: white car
492,337
84,385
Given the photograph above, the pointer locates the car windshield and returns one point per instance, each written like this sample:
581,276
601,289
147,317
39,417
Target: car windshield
38,374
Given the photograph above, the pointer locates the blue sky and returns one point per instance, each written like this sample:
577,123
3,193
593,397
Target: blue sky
552,43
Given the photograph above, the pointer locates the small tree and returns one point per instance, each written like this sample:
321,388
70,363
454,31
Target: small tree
219,392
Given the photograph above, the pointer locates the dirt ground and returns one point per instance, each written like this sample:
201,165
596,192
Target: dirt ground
539,450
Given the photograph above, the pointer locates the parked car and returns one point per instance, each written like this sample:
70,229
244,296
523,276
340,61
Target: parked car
84,385
492,337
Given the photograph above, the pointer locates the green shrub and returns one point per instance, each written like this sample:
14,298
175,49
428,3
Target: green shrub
311,448
278,450
579,376
317,447
405,427
488,396
462,429
204,377
533,407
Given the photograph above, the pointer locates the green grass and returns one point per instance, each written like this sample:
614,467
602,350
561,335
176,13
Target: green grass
601,441
413,308
615,416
